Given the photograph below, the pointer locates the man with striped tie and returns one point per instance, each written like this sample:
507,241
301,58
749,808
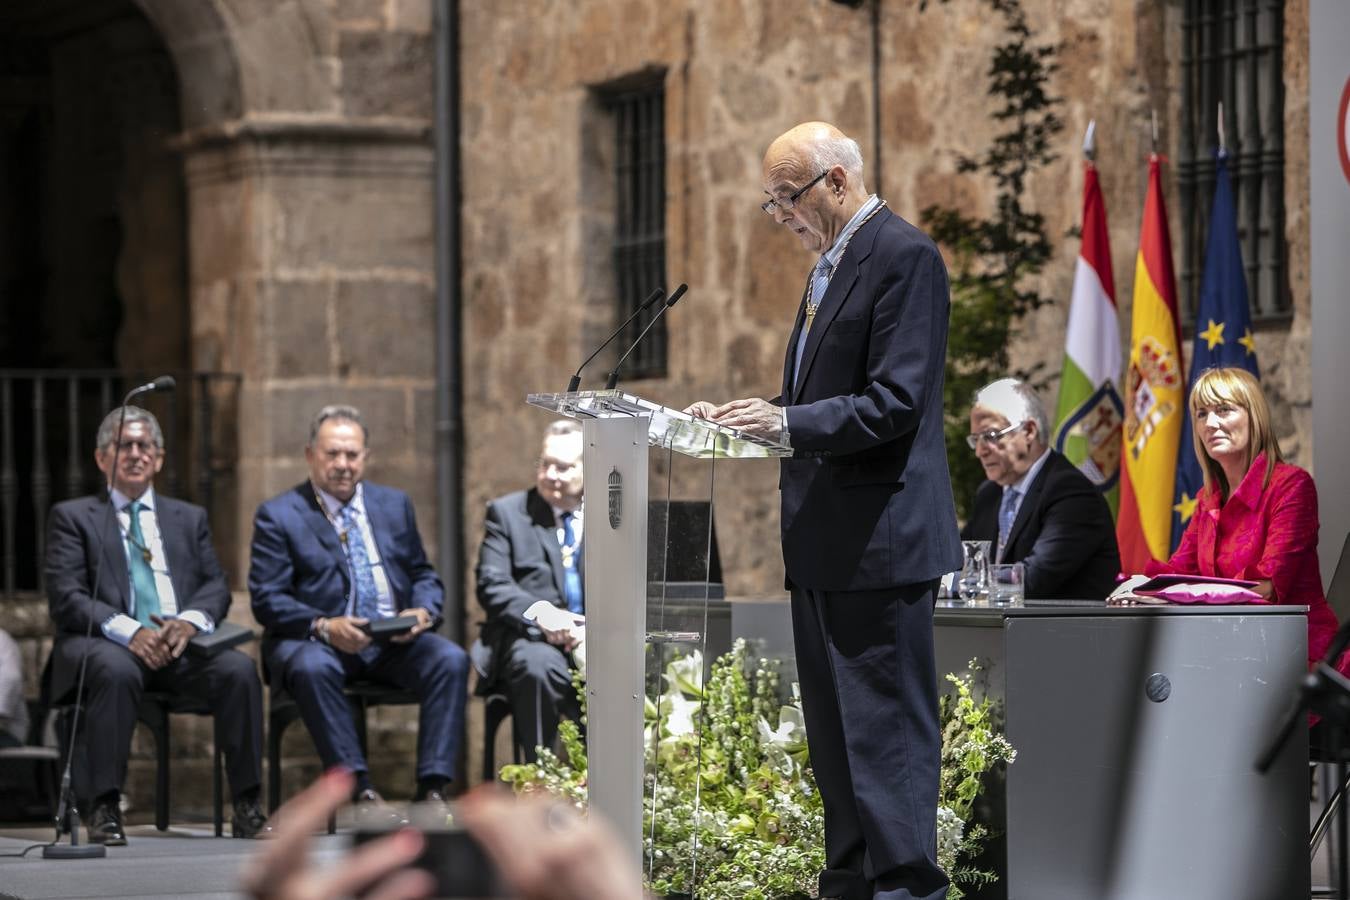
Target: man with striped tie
530,586
330,556
160,586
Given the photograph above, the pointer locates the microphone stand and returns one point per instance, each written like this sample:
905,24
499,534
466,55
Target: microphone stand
68,805
1326,692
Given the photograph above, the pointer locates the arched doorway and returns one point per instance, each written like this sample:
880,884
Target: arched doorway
93,252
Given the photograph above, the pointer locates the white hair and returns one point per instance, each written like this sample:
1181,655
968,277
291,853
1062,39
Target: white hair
1016,402
828,152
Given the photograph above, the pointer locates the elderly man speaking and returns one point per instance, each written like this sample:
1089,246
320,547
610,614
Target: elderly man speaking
868,522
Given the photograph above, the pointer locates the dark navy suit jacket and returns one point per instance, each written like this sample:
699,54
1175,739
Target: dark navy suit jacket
867,498
1063,533
298,570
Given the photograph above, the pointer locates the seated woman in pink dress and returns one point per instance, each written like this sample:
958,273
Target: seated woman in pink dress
1256,516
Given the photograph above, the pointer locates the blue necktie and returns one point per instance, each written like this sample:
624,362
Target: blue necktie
571,577
144,591
1007,514
820,281
367,596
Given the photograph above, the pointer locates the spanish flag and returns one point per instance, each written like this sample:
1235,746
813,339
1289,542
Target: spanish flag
1155,393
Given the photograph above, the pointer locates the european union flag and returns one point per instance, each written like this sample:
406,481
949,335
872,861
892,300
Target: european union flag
1223,331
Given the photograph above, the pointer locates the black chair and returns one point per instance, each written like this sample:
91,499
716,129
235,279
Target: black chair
42,750
496,710
282,711
153,713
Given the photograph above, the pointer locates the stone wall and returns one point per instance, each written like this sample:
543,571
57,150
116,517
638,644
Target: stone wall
738,72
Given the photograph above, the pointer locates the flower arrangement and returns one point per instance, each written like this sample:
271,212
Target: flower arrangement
751,826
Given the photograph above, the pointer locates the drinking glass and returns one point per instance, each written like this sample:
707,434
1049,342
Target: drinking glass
973,581
1007,584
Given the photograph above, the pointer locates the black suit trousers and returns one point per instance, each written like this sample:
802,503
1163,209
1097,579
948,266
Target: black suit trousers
116,679
869,693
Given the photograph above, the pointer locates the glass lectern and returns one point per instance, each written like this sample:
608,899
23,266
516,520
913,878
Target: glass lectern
636,460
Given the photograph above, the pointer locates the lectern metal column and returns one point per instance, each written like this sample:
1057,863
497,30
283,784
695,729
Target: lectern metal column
615,461
618,429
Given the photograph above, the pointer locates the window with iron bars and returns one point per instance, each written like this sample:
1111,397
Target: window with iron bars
639,250
1232,53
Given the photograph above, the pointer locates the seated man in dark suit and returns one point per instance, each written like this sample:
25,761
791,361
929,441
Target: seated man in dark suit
1037,508
530,586
161,585
329,556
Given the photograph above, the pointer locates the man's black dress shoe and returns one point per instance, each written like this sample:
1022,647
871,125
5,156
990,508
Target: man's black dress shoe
372,810
249,820
105,826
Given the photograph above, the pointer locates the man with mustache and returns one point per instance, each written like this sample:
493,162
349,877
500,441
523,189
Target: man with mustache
161,585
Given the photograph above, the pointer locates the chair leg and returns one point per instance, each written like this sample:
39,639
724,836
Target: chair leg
217,789
162,772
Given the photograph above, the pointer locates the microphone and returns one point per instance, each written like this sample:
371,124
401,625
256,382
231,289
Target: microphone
674,298
651,298
162,383
67,809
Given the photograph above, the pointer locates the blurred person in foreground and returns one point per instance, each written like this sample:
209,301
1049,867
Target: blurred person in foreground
328,556
1256,516
530,577
868,523
542,848
161,585
1037,508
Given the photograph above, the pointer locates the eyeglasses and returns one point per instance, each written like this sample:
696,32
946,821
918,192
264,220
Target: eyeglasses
992,436
141,448
788,202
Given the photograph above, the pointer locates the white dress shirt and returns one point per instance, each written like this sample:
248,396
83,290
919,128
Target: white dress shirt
122,626
385,597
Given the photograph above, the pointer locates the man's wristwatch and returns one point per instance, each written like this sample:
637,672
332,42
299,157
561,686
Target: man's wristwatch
319,628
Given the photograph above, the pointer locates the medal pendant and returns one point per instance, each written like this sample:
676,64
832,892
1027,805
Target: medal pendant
342,536
147,555
810,317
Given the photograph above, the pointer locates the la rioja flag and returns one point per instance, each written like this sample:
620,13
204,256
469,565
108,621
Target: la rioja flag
1089,413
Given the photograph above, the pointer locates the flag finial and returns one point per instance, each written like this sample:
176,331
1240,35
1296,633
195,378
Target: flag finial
1223,144
1154,114
1090,141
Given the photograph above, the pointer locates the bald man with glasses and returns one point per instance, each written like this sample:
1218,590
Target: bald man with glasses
1037,508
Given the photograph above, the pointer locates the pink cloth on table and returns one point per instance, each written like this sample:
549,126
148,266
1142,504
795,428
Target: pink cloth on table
1262,534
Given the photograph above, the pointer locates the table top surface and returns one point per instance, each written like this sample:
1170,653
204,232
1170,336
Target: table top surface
961,612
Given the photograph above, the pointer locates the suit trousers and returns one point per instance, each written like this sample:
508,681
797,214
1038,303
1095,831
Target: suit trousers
869,693
114,683
538,679
430,666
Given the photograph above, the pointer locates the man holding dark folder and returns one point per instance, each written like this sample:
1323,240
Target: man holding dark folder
340,580
160,587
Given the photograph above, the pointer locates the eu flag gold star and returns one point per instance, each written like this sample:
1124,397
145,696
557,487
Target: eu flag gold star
1185,507
1213,335
1249,342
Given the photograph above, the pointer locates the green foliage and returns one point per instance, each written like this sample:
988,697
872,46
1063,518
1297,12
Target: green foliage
971,747
992,258
736,806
